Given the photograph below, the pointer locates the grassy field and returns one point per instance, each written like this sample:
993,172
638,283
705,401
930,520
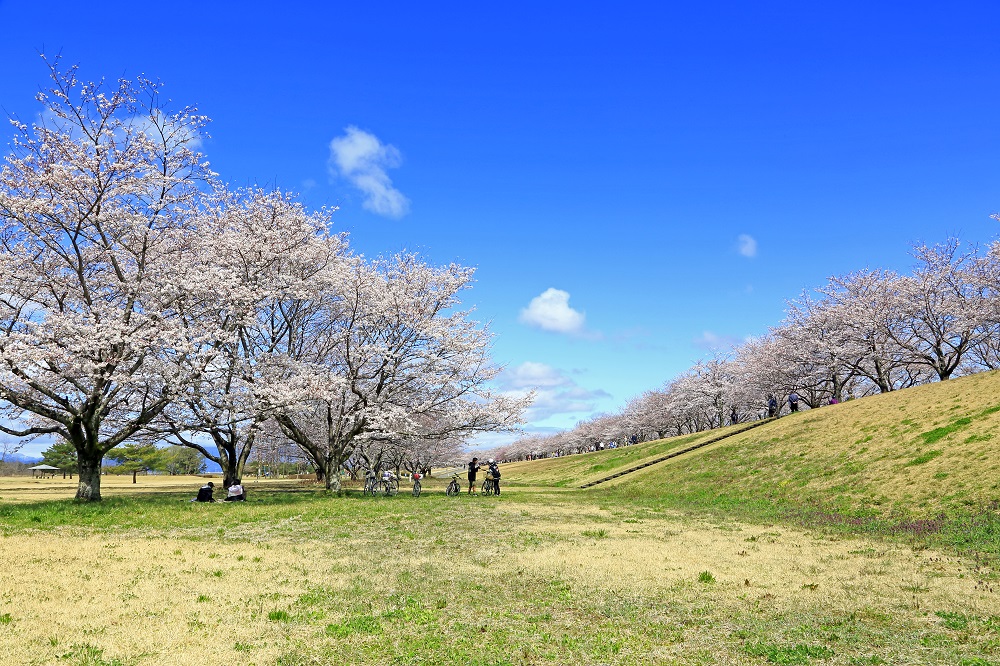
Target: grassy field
751,551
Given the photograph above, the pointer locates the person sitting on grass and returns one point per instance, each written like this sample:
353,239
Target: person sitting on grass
205,493
236,493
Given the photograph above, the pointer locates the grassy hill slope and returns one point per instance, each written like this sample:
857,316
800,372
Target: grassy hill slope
575,470
920,451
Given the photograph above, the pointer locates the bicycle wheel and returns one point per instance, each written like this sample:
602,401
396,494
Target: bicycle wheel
487,487
391,488
452,489
416,489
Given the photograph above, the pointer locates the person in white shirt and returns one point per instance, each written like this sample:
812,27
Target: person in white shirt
236,493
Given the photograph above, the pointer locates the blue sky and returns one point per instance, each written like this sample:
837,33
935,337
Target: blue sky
677,170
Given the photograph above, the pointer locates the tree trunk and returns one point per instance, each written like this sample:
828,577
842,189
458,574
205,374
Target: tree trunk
89,488
332,474
134,472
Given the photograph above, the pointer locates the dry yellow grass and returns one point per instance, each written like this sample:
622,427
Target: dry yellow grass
543,575
198,597
922,449
16,489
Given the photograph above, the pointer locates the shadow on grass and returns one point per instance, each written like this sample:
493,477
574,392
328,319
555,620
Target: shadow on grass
174,509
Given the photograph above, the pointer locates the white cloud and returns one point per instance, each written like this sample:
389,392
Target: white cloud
714,341
550,311
747,245
533,375
362,160
555,392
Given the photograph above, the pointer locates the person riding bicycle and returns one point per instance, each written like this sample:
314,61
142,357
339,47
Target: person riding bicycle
494,471
474,468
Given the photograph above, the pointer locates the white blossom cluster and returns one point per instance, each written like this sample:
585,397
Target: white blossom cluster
143,300
866,332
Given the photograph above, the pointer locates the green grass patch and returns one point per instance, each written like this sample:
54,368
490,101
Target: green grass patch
365,625
924,458
788,654
937,434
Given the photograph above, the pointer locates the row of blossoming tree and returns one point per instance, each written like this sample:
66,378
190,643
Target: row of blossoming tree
867,332
141,299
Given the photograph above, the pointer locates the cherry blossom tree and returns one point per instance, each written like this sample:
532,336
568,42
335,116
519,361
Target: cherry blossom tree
97,203
270,261
869,309
943,308
395,359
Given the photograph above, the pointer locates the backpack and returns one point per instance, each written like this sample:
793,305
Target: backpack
495,471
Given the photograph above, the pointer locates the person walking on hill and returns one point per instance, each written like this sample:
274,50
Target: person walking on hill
772,406
734,416
474,468
793,401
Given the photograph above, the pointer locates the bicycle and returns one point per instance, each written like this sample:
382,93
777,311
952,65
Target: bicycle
371,484
390,486
416,484
488,486
454,487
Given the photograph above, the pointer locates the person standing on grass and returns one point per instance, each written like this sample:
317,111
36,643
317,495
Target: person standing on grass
474,468
772,406
734,416
793,401
495,473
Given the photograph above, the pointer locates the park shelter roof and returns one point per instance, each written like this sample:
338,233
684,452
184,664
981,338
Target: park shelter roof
43,467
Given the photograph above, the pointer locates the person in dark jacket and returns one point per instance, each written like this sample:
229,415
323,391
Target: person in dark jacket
495,473
474,468
205,493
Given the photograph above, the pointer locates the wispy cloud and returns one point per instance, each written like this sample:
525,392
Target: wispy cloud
550,311
555,392
747,245
361,159
716,342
